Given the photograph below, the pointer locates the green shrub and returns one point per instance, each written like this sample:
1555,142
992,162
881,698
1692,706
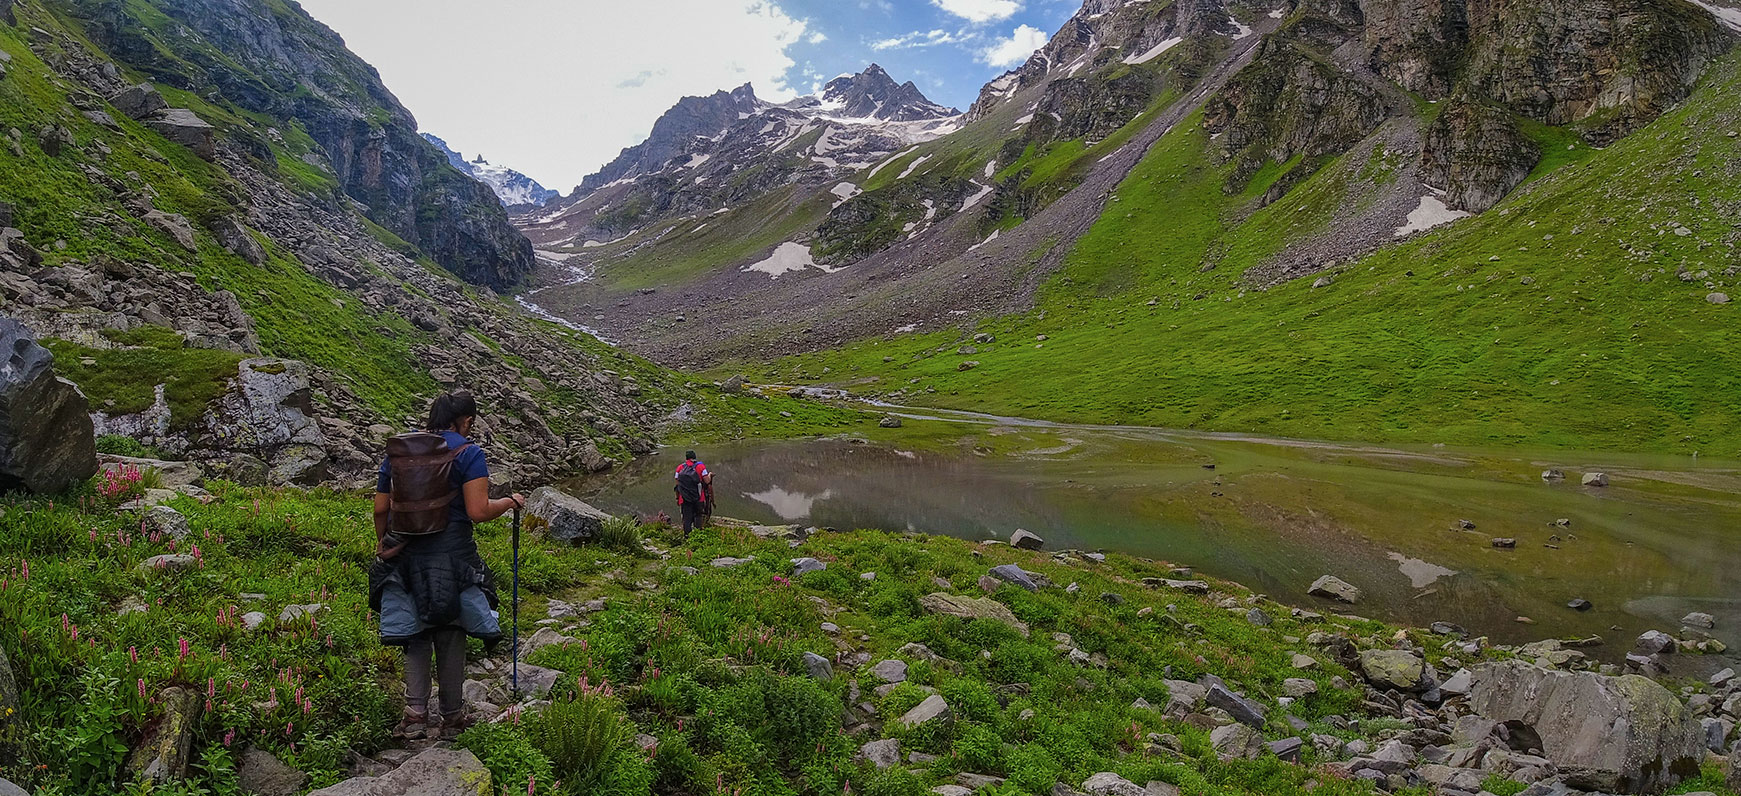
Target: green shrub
979,748
583,737
621,533
510,756
1500,785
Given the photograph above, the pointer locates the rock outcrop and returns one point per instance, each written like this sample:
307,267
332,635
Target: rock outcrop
1476,154
972,608
46,438
162,757
433,772
1615,734
563,517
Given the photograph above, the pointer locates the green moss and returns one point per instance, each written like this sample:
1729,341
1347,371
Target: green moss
124,380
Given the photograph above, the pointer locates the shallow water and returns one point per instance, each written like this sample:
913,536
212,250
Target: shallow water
1662,540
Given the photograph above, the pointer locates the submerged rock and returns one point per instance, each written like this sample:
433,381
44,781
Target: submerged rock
1335,588
1616,734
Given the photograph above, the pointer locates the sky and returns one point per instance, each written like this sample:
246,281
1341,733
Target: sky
556,88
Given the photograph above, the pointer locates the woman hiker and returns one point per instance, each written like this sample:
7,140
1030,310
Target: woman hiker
428,582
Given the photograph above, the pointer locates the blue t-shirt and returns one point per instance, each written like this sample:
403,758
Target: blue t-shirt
468,466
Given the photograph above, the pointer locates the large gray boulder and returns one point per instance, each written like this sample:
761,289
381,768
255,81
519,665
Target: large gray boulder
163,756
971,608
47,442
564,517
1399,669
434,772
139,101
1615,734
1335,588
1010,573
186,128
261,774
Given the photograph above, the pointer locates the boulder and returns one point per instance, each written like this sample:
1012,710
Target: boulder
1107,783
1236,741
1654,642
163,756
47,442
1735,768
889,421
139,102
174,225
535,680
174,474
818,667
168,563
1595,479
235,237
8,787
932,709
261,774
1699,619
1399,669
1335,588
1241,709
563,517
1615,734
1299,687
881,753
1184,697
1023,540
805,566
972,608
186,128
166,521
1010,573
433,772
890,671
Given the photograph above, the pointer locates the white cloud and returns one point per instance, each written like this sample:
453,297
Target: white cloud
1015,50
919,39
555,88
980,11
816,37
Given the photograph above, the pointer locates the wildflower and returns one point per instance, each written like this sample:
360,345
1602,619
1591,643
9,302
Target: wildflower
182,644
133,654
531,783
142,688
229,737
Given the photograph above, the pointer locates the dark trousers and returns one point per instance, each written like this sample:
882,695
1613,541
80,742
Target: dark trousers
447,644
691,516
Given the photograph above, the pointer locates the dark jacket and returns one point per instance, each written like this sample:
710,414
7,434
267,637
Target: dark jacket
435,570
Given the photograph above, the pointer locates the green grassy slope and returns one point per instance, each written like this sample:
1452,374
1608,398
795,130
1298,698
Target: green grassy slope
1555,319
709,663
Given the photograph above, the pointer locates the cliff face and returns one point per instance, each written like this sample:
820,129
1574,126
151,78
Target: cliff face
1608,66
271,58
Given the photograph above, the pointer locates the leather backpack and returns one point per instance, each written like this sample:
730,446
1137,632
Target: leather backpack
421,467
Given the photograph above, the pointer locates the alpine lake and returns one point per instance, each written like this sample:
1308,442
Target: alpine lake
1413,527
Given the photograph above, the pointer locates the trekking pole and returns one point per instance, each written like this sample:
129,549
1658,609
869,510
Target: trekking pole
515,677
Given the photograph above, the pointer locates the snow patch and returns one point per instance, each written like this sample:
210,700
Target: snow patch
787,258
987,240
845,191
908,329
1155,51
1276,14
1730,17
592,244
697,160
984,191
1025,119
990,169
914,165
1240,31
1431,213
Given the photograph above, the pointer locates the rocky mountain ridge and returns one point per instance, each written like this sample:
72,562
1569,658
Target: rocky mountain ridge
198,264
513,188
1456,105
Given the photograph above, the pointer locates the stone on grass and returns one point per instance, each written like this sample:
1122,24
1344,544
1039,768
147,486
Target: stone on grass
261,774
1399,669
47,442
166,521
252,620
881,753
434,772
1298,687
1107,783
1183,696
168,563
805,566
818,667
971,608
1023,540
162,757
292,613
727,562
1241,709
1010,573
1304,661
890,671
930,710
1615,734
1335,588
1595,479
1287,748
1236,742
564,517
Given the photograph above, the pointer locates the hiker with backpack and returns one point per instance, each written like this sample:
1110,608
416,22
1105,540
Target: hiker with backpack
694,493
428,583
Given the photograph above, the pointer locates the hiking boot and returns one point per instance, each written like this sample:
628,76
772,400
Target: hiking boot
414,726
452,726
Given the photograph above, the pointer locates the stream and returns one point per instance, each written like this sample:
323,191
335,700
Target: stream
1663,539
